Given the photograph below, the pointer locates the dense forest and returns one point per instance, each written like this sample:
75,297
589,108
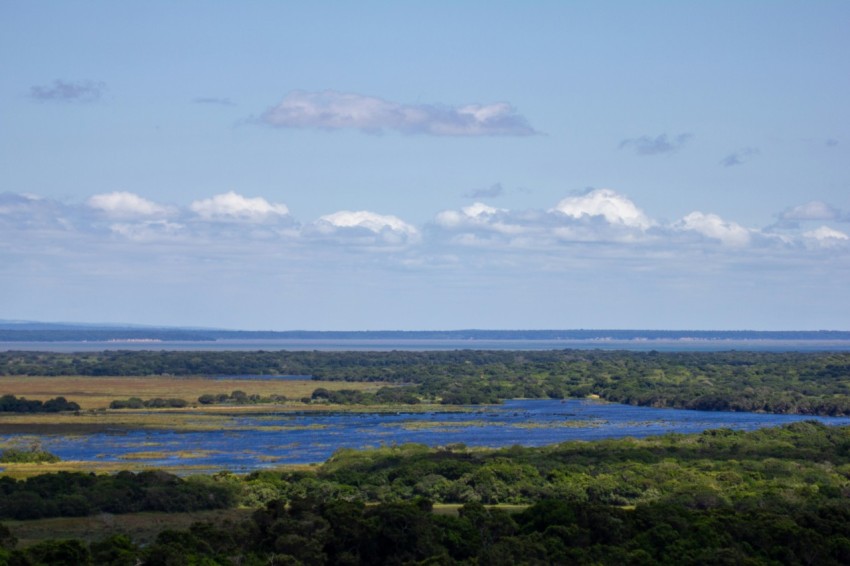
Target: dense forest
773,496
801,383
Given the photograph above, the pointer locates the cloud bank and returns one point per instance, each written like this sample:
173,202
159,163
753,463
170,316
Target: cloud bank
231,221
331,110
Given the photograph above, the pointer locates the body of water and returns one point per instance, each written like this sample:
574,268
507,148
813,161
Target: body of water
255,442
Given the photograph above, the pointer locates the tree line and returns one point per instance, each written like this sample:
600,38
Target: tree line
12,404
789,382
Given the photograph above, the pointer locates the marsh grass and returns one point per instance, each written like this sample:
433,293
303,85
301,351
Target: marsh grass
21,471
94,394
99,392
562,424
166,454
424,425
450,425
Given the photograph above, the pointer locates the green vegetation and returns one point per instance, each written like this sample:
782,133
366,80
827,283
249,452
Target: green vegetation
34,454
156,403
238,397
67,494
773,496
12,404
801,383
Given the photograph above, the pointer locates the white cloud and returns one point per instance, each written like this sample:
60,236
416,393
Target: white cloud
362,227
597,216
235,207
121,204
454,218
613,207
480,217
825,234
580,228
369,220
712,226
151,230
812,210
332,110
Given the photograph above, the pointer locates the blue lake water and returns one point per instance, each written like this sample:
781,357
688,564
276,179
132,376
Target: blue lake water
252,442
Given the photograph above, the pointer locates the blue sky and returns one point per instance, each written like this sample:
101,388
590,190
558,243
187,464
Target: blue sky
426,165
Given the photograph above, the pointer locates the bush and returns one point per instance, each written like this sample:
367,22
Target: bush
27,456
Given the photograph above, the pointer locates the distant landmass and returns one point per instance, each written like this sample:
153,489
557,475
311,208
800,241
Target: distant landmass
23,331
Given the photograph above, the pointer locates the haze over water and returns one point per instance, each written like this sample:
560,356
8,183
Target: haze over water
686,345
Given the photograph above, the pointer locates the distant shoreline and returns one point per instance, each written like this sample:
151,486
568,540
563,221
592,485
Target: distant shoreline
683,344
45,332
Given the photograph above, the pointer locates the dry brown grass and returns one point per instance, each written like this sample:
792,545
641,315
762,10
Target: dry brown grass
22,471
98,392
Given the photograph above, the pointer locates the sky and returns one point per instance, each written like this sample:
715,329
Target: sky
426,165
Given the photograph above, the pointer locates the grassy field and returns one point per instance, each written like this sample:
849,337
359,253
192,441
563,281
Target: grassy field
99,392
141,527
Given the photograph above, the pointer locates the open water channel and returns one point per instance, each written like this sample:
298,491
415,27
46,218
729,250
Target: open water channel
246,443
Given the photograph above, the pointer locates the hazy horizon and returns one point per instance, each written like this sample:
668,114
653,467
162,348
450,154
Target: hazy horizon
12,324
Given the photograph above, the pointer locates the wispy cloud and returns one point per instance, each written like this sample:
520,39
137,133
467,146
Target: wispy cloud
812,210
739,157
149,230
332,110
647,145
826,234
213,101
493,191
68,91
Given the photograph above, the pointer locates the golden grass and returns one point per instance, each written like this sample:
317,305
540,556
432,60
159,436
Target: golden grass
99,392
